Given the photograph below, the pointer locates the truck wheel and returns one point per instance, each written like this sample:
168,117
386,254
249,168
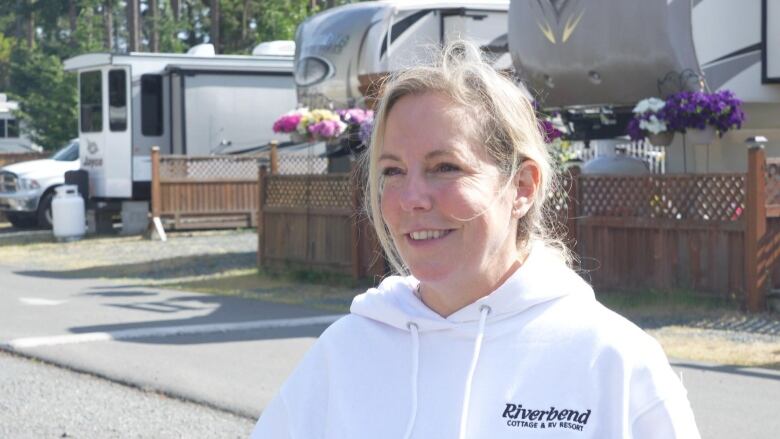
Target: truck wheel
21,220
44,211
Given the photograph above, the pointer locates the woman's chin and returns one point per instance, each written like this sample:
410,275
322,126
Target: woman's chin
432,272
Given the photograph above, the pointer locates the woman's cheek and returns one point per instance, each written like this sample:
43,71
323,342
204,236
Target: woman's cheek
389,205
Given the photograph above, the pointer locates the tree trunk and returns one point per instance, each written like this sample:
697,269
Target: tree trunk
245,20
133,39
154,36
175,6
214,13
72,21
108,24
30,30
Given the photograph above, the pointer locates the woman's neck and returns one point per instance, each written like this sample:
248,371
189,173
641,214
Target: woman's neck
445,299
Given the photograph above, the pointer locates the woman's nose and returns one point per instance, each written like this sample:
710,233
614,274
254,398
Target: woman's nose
415,195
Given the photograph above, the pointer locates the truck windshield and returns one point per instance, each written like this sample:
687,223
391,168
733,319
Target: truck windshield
67,153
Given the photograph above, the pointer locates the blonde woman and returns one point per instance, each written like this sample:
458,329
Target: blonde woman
486,332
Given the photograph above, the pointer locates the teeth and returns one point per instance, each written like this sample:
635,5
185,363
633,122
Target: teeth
427,234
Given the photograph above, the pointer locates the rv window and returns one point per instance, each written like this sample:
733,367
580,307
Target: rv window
117,100
311,70
91,97
2,128
13,128
151,105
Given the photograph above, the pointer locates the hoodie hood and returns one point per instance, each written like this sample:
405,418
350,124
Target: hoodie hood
543,277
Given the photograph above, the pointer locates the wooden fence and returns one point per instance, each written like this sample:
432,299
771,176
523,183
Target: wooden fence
204,192
313,221
717,234
216,191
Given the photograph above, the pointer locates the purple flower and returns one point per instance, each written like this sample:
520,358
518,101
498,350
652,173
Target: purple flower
366,128
355,116
549,131
326,129
696,110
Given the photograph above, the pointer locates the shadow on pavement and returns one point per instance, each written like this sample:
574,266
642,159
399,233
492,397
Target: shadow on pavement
182,266
735,370
224,310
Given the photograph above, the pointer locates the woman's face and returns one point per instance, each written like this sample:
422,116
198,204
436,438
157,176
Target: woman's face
449,209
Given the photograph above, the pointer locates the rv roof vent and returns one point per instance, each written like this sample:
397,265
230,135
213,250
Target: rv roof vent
201,50
280,47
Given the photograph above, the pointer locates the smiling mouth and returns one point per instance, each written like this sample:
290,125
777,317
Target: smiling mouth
424,235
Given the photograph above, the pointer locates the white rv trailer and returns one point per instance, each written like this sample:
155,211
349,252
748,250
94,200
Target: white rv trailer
12,139
194,104
339,49
612,53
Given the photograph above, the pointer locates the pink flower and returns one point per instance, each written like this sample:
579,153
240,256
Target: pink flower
287,123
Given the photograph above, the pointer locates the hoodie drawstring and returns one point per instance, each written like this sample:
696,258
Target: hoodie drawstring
464,415
414,330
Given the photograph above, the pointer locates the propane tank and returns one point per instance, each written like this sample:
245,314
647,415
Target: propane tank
67,210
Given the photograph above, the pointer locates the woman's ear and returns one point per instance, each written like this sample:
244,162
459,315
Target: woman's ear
526,181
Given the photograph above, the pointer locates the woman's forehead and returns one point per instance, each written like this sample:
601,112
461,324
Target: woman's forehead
429,123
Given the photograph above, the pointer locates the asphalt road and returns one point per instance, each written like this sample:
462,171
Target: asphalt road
232,354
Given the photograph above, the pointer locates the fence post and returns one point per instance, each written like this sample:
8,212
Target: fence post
274,157
354,219
261,191
572,205
755,228
156,182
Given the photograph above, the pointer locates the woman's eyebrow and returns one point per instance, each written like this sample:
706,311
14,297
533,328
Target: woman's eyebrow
389,157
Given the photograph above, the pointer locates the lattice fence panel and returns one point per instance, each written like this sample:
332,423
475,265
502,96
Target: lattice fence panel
327,191
208,168
711,197
302,165
772,174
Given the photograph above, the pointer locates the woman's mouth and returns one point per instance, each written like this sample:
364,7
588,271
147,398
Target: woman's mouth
424,235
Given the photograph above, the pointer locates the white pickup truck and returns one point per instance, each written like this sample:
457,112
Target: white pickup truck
27,188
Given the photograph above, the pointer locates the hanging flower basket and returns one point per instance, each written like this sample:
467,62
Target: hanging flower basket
297,137
700,137
663,138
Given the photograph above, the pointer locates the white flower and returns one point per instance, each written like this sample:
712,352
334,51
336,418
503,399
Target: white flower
653,125
650,104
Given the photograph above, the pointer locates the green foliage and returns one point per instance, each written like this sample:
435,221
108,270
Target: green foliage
6,46
46,95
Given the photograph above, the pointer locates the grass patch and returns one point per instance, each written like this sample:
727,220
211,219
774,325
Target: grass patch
665,303
716,347
293,288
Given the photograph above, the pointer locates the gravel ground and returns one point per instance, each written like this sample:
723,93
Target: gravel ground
185,254
44,401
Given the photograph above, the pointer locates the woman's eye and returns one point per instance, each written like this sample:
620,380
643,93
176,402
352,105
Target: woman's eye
446,167
391,171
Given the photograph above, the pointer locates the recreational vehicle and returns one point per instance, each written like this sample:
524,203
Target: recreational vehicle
12,139
595,60
197,103
339,52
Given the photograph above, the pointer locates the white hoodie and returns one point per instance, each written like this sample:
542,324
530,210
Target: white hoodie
537,358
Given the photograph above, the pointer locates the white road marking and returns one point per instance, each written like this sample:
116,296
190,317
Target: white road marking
36,301
166,331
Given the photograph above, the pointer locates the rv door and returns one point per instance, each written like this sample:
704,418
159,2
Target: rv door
105,147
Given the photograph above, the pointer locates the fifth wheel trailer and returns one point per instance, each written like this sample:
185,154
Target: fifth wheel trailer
582,55
192,104
340,50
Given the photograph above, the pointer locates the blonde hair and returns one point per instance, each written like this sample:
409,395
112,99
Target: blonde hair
504,120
